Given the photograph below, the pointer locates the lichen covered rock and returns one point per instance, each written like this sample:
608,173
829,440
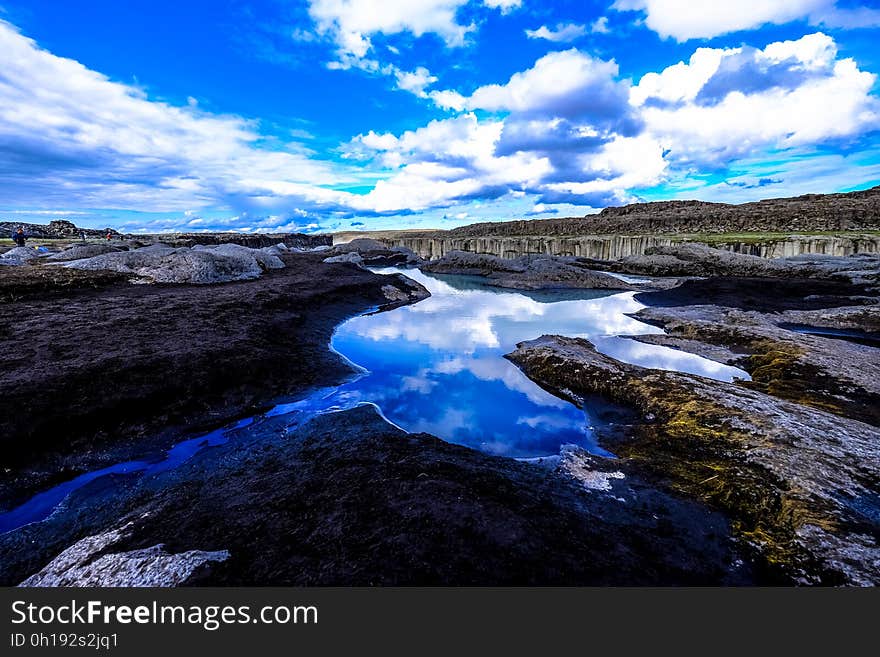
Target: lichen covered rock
799,484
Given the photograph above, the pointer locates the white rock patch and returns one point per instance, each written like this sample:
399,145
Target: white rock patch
152,566
578,464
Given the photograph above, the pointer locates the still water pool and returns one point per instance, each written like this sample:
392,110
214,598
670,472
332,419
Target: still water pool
438,366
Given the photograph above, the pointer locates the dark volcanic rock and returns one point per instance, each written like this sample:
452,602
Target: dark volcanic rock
98,369
347,499
372,253
526,272
762,294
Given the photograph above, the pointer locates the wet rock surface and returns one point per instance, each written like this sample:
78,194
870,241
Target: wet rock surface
763,294
526,272
797,482
348,499
838,376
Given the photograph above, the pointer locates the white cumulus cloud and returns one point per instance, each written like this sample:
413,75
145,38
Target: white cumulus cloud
351,23
684,19
567,130
727,103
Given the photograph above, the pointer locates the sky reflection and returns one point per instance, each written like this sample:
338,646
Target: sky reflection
438,366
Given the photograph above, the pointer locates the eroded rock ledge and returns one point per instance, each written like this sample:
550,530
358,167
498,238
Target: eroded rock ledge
799,484
838,376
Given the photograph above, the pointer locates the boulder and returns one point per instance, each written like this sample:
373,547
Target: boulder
373,253
351,257
91,562
163,264
266,256
360,245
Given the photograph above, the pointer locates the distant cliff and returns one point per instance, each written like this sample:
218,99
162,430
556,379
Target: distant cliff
253,240
786,227
614,247
853,211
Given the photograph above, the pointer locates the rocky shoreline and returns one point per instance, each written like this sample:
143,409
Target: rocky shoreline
791,456
770,481
99,369
798,483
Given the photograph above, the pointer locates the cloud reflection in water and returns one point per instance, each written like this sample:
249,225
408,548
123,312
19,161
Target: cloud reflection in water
438,366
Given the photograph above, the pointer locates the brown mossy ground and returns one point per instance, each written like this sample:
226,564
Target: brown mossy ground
780,369
693,446
42,280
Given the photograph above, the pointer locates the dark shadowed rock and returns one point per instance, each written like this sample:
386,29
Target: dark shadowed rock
372,253
103,370
347,499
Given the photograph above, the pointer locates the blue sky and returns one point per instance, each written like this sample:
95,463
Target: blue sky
275,115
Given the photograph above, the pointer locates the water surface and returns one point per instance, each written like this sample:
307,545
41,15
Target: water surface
438,367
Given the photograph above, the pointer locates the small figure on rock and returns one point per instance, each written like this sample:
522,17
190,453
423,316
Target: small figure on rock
109,236
19,237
